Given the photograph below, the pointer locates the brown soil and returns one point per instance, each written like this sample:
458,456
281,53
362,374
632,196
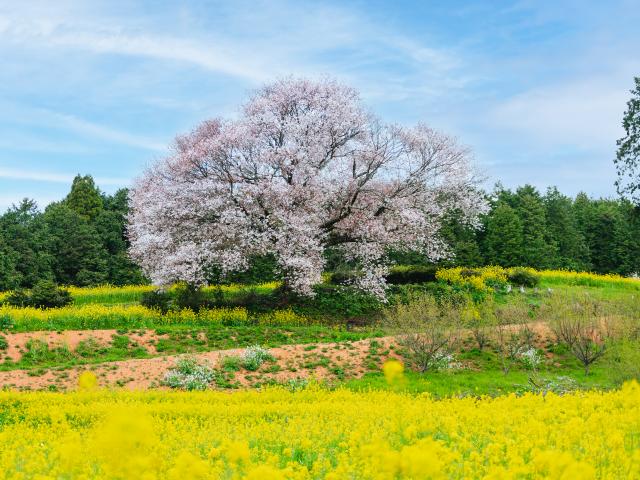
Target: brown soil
71,338
327,361
295,361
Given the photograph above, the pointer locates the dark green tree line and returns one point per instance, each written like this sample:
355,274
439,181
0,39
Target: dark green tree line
81,239
526,228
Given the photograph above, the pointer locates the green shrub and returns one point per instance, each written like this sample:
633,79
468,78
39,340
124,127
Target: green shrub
188,374
261,269
337,301
398,275
189,296
624,361
231,363
524,278
411,274
255,356
3,343
6,322
157,299
446,294
45,294
18,298
342,277
469,272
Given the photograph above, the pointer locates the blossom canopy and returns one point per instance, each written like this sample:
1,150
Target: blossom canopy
305,167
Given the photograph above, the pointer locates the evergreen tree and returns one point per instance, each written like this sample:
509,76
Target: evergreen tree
111,227
503,237
79,256
605,232
9,278
24,236
84,197
463,241
563,230
538,251
628,156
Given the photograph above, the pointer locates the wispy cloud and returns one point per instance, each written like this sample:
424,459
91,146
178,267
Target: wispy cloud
55,177
43,117
252,42
86,127
583,113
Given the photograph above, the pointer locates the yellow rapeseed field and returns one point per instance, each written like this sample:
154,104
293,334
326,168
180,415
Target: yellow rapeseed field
92,316
316,433
483,278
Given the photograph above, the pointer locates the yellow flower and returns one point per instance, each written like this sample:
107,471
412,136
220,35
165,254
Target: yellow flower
393,371
87,381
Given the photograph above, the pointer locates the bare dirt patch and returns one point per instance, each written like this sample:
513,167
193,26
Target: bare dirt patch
72,338
325,362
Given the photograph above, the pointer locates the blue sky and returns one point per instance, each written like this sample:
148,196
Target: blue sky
536,89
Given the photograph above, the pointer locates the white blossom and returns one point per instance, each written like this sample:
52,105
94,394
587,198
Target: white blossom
304,167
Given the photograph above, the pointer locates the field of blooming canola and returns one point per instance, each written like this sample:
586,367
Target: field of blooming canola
315,433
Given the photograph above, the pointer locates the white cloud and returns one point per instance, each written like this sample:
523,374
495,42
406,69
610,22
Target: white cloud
584,113
54,177
26,115
252,41
106,133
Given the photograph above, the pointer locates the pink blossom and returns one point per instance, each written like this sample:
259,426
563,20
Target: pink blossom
305,167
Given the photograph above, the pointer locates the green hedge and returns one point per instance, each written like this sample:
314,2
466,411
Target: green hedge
398,275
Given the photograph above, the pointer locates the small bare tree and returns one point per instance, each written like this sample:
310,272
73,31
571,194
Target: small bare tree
480,320
578,323
513,335
428,331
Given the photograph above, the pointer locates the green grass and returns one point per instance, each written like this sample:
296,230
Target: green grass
190,340
485,377
38,355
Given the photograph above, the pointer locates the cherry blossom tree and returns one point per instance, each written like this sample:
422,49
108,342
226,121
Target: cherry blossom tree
305,167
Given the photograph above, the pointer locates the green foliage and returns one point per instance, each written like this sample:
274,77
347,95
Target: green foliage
628,155
261,270
189,296
3,342
24,247
524,278
624,360
78,241
84,198
188,374
503,241
398,275
231,363
338,301
79,256
45,294
411,274
157,299
6,323
254,356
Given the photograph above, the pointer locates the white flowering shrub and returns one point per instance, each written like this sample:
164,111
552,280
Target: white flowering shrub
444,360
304,167
531,358
255,356
188,374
